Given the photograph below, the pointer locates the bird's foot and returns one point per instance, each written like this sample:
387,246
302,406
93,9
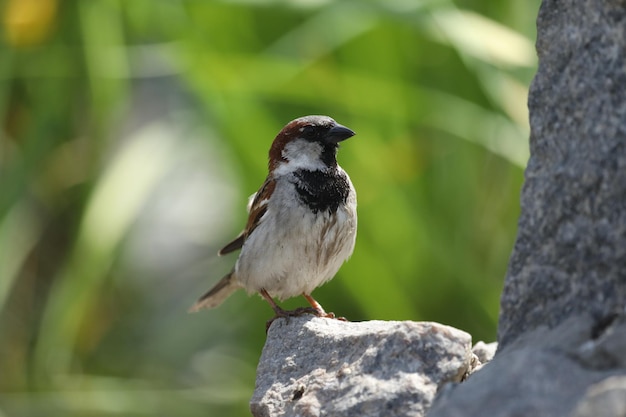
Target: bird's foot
287,314
319,310
332,316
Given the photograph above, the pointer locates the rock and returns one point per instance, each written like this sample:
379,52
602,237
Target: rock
322,367
545,373
481,354
604,399
570,251
562,329
485,351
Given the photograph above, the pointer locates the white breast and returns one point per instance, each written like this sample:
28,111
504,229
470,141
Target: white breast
292,250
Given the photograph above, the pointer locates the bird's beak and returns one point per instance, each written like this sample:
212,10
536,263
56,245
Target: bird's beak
339,133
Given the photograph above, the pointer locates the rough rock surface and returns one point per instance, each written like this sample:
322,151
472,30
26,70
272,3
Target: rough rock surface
323,367
546,372
562,330
484,351
570,253
604,399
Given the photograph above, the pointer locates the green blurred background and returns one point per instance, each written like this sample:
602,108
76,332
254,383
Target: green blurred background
134,130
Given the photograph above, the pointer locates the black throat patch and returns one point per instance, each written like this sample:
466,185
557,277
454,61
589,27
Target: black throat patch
322,190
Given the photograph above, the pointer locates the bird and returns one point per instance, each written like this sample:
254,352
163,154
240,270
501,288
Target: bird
302,221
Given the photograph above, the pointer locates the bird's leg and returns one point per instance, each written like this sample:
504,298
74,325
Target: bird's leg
315,309
319,310
280,312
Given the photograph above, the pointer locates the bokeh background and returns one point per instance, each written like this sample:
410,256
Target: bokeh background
132,132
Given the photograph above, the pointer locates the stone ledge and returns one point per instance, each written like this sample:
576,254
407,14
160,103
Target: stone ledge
315,366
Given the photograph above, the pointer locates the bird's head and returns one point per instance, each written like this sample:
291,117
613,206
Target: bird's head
308,143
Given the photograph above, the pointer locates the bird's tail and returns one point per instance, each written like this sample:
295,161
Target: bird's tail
216,295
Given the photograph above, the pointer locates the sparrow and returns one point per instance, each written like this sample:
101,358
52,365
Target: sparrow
301,223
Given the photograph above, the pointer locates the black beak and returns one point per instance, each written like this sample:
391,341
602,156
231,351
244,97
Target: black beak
339,133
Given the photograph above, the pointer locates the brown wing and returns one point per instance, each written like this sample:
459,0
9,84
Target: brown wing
232,246
256,210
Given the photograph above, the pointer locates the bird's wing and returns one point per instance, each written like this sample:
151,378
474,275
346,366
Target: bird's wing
237,243
257,206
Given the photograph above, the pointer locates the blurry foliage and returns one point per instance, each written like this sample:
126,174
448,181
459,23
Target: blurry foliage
132,132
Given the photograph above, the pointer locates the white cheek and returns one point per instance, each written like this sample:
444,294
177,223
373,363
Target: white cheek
301,154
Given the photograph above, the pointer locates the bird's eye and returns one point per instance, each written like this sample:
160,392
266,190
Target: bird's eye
307,132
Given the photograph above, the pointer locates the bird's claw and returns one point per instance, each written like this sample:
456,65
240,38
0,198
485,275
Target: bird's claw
287,314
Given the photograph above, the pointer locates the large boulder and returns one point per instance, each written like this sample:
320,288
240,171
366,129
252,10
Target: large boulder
570,254
562,330
323,367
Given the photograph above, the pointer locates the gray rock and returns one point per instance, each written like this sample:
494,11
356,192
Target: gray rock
323,367
562,331
570,251
481,354
545,373
485,351
604,399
